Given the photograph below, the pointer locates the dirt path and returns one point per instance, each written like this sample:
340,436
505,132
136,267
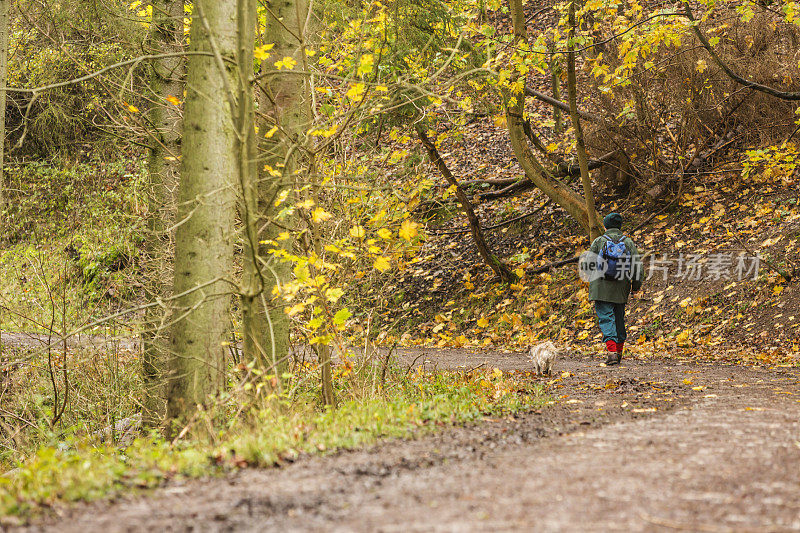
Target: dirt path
652,445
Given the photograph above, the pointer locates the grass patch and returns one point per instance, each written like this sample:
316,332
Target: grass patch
74,233
282,428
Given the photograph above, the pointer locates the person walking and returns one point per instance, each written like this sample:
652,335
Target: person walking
621,273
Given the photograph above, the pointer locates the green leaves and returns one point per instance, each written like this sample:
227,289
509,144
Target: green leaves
341,316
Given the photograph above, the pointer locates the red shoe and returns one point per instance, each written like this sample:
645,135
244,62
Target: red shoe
613,356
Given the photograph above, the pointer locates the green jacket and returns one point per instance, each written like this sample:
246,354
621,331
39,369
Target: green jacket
615,291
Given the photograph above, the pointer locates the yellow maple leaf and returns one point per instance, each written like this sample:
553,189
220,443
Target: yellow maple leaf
382,264
320,215
262,52
385,233
408,230
483,322
287,63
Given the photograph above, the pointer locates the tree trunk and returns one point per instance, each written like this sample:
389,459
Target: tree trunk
206,210
256,338
3,84
572,88
555,81
282,104
289,100
515,109
500,268
166,84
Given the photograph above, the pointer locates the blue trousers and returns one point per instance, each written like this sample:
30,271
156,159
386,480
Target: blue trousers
611,318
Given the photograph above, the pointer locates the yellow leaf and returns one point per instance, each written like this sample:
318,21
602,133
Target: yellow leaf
306,204
262,52
320,215
271,132
356,91
334,294
483,322
295,309
357,232
777,289
287,63
132,108
172,100
408,230
685,337
382,264
701,65
365,64
384,233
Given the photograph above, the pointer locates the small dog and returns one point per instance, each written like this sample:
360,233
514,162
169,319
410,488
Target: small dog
542,356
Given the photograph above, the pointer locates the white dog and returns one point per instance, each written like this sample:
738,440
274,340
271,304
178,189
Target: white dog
542,356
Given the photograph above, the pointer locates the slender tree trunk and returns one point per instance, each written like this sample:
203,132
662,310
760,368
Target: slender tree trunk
290,103
500,268
323,350
206,211
166,86
257,343
572,88
282,105
515,110
555,81
3,84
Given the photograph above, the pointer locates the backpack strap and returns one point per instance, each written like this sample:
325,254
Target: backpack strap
609,239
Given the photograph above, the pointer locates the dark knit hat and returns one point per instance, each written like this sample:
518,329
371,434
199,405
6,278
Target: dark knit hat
613,220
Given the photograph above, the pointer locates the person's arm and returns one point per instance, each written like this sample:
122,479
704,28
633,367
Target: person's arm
596,245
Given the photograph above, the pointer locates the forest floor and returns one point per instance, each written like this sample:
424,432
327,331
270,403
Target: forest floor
657,444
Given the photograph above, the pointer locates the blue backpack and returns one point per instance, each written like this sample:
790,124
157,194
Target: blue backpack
615,254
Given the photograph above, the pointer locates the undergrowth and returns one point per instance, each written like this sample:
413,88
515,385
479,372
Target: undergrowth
73,236
268,432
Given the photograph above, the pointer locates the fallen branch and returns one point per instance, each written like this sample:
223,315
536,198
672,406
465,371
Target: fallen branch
490,181
555,264
495,226
563,170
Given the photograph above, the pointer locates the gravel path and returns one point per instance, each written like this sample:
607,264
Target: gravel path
654,445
